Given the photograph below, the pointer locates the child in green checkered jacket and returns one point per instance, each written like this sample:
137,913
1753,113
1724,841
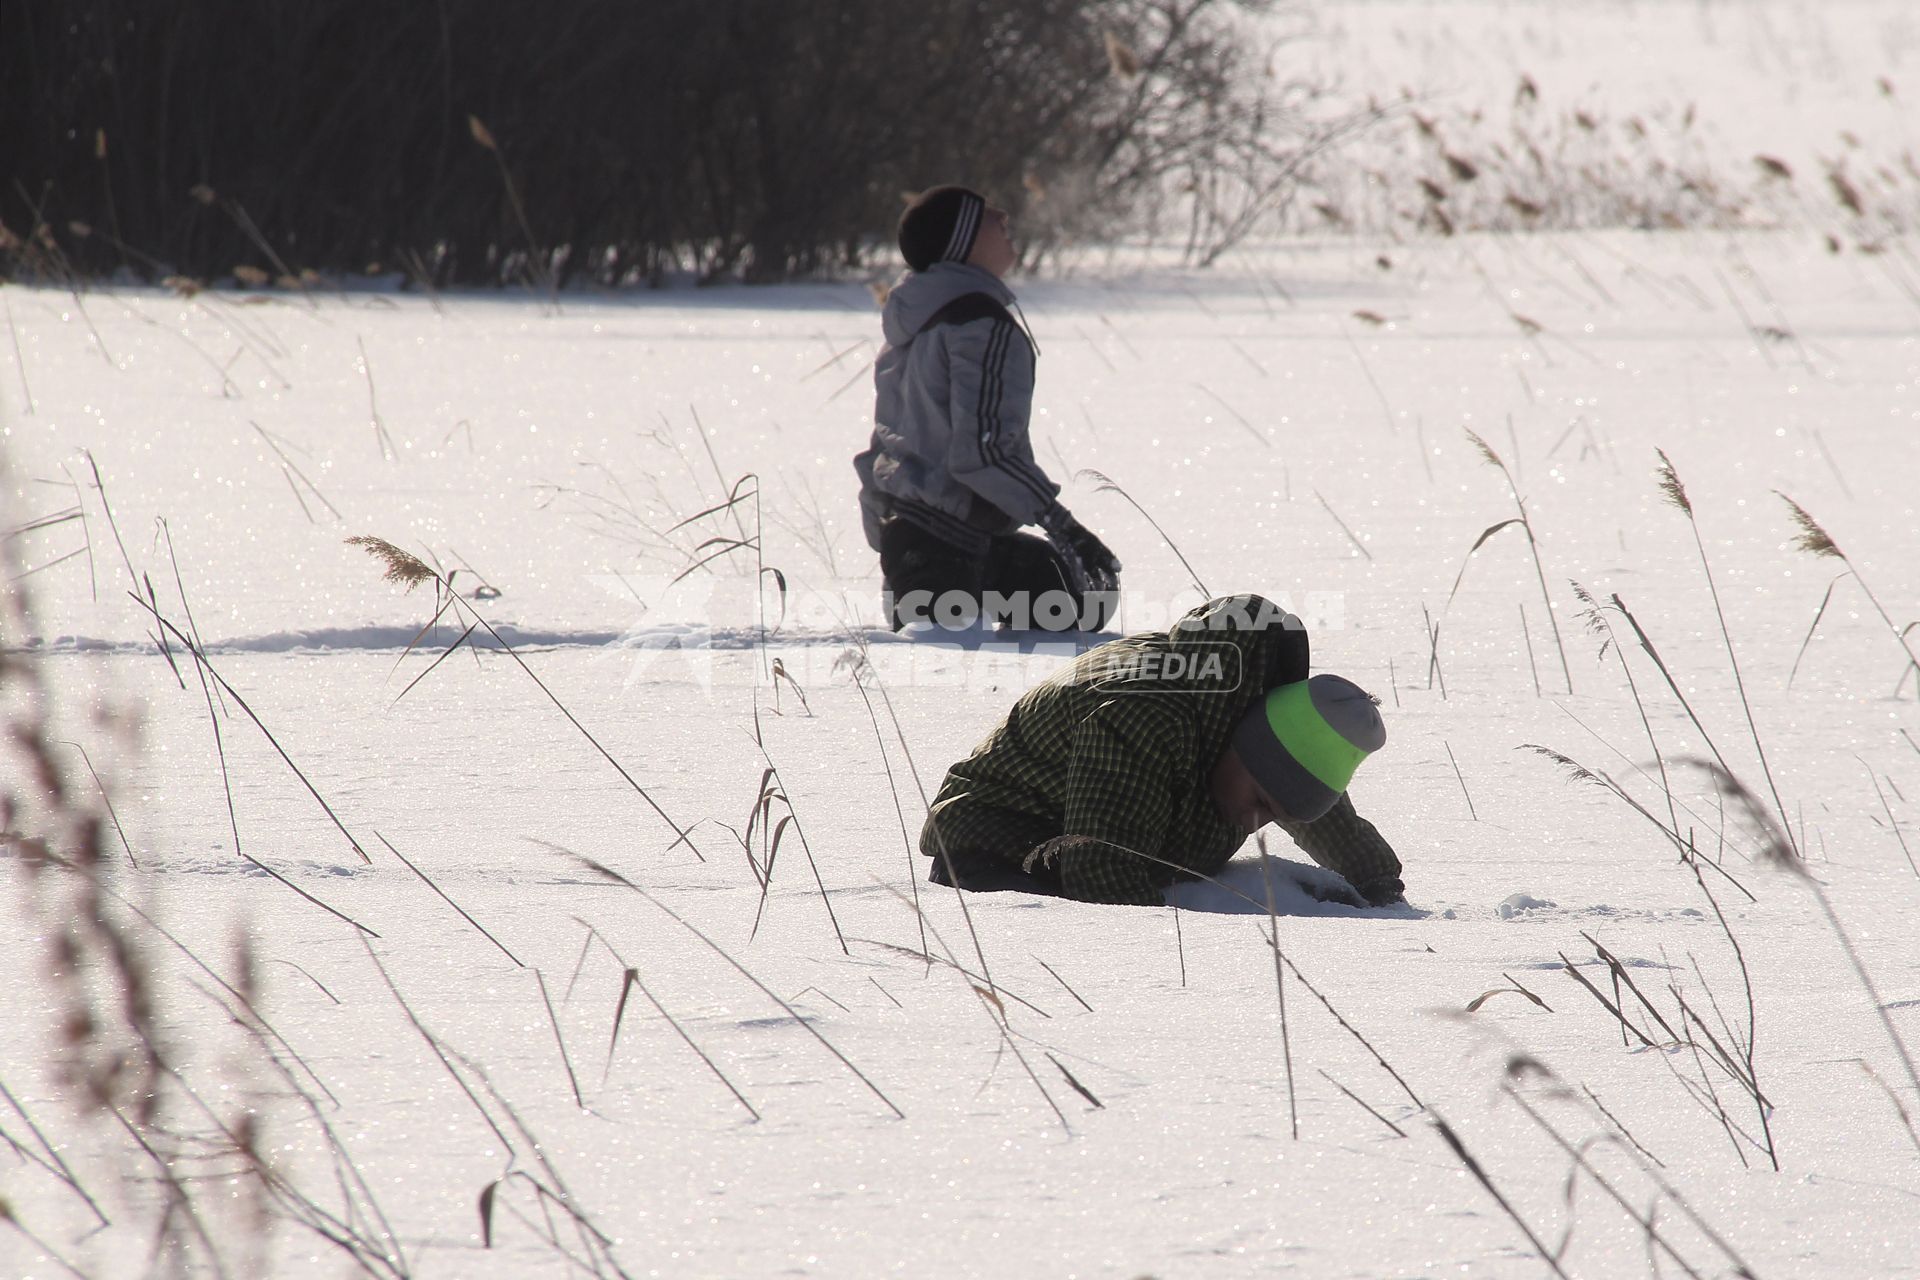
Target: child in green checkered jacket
1154,757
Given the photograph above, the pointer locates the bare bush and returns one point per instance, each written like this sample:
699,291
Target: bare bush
597,141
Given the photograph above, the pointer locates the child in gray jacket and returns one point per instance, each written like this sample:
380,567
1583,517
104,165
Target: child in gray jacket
950,477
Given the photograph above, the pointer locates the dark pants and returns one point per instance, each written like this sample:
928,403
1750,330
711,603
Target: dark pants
982,848
1021,581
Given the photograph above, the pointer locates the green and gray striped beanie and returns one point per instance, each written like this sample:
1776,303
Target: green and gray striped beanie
1303,741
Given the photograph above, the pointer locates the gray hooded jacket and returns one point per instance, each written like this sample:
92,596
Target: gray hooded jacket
954,385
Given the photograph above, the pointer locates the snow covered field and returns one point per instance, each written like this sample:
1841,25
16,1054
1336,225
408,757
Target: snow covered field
1296,421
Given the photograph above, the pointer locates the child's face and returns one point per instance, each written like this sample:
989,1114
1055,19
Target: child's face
1238,797
993,243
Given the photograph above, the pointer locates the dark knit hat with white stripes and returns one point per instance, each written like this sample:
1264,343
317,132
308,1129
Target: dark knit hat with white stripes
939,225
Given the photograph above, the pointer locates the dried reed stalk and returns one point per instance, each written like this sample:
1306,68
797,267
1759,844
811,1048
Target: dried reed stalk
1481,1176
1386,406
1533,547
1595,619
1362,1104
217,679
1462,779
1434,669
424,879
553,1193
1815,541
1891,820
1578,772
1673,685
407,570
1779,853
1351,537
1075,1084
859,668
1675,494
995,1010
381,439
1063,983
609,874
542,268
1533,668
51,1161
1106,485
1280,990
440,1051
630,981
107,800
553,1020
1644,1219
772,779
19,360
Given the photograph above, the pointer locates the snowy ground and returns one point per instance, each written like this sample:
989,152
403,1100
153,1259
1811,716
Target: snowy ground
1296,422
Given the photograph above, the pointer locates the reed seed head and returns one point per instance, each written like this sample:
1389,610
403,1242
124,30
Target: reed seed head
1846,193
1121,57
402,567
1576,771
1593,618
1486,450
1812,538
1670,487
1776,848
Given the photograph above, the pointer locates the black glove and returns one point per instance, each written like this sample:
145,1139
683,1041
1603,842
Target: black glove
1386,892
1098,568
1341,894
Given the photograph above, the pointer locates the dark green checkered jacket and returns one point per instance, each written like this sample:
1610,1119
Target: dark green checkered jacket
1117,747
